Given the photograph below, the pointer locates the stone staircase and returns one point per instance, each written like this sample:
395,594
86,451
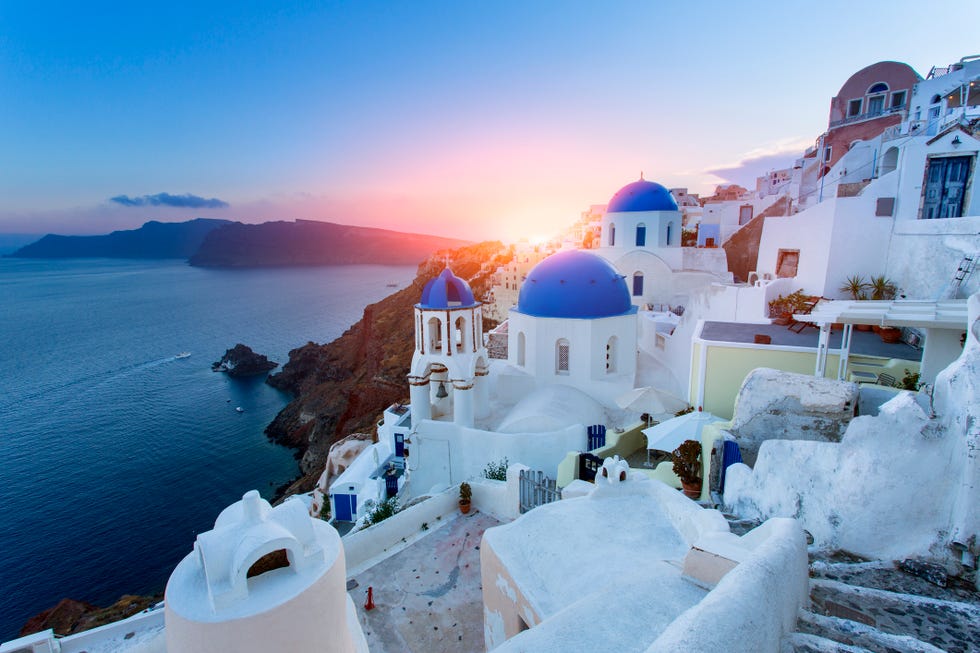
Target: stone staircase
876,606
859,606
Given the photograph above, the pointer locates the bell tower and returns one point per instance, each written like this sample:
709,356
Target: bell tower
449,368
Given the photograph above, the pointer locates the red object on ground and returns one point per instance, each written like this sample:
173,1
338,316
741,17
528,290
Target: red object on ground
370,600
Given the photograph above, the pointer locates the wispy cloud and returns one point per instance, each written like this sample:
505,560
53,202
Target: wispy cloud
186,201
761,160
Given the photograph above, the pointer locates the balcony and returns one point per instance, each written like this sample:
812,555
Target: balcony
871,115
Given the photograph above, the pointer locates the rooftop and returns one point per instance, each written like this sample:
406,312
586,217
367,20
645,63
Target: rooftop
864,343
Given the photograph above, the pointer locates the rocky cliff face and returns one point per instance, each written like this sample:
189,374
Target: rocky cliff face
343,387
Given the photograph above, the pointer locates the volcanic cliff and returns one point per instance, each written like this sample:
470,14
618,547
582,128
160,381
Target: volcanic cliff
344,386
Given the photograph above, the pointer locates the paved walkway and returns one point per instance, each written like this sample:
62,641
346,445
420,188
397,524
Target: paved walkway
428,598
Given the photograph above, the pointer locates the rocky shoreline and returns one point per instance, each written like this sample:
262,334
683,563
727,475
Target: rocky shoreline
338,388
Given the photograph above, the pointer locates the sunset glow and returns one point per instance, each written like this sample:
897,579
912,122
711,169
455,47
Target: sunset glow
492,122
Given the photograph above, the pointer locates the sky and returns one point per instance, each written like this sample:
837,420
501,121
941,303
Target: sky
464,119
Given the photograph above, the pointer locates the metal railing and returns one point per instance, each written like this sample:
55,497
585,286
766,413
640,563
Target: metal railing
867,116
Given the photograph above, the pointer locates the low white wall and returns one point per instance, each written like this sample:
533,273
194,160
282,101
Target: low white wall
494,499
147,625
442,453
754,605
371,545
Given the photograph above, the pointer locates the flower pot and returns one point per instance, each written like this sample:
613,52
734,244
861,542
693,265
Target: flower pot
876,328
763,339
692,490
890,335
783,319
464,506
862,327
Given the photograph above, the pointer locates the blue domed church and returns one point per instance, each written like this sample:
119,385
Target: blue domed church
575,324
641,237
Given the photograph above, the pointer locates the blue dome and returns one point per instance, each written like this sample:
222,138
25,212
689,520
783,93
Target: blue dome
574,284
642,195
445,291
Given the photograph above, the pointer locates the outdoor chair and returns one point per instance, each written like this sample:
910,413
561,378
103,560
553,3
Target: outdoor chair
808,307
887,379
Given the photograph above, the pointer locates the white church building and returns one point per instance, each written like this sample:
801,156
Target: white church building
641,237
571,352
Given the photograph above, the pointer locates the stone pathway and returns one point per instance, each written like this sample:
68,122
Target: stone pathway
875,606
428,598
949,625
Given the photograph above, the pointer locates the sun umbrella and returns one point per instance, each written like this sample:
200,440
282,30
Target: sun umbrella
670,434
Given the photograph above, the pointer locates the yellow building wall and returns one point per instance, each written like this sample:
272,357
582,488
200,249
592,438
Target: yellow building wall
727,368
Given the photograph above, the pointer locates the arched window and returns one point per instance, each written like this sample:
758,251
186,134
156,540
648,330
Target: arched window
611,355
612,234
889,161
561,356
880,87
641,235
460,335
277,559
637,284
435,334
670,229
521,348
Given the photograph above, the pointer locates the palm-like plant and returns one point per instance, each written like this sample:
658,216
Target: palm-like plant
882,288
855,286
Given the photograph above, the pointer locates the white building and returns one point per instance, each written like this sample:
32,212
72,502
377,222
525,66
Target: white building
641,237
571,352
264,579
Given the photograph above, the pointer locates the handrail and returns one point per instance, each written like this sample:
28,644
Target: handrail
886,111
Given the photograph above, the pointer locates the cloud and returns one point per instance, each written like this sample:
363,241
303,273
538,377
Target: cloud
761,160
186,201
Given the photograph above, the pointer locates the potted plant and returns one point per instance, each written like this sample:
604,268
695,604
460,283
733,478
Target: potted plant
891,335
882,288
465,495
780,312
687,465
855,286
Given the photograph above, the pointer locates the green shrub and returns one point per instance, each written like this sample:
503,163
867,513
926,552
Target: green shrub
496,471
383,510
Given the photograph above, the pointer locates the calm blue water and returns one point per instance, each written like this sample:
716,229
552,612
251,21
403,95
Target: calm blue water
114,454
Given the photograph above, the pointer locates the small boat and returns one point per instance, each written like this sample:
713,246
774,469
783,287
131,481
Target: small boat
183,354
239,409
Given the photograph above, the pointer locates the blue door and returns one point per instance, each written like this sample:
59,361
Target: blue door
345,505
399,445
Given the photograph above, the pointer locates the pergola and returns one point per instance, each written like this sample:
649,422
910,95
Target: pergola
942,321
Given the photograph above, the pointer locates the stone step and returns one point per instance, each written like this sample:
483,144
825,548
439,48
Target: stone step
807,643
885,575
854,633
949,625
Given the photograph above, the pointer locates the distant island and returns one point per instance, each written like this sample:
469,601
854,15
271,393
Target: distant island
307,242
152,240
223,243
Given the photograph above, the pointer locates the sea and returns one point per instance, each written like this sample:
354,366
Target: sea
114,452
